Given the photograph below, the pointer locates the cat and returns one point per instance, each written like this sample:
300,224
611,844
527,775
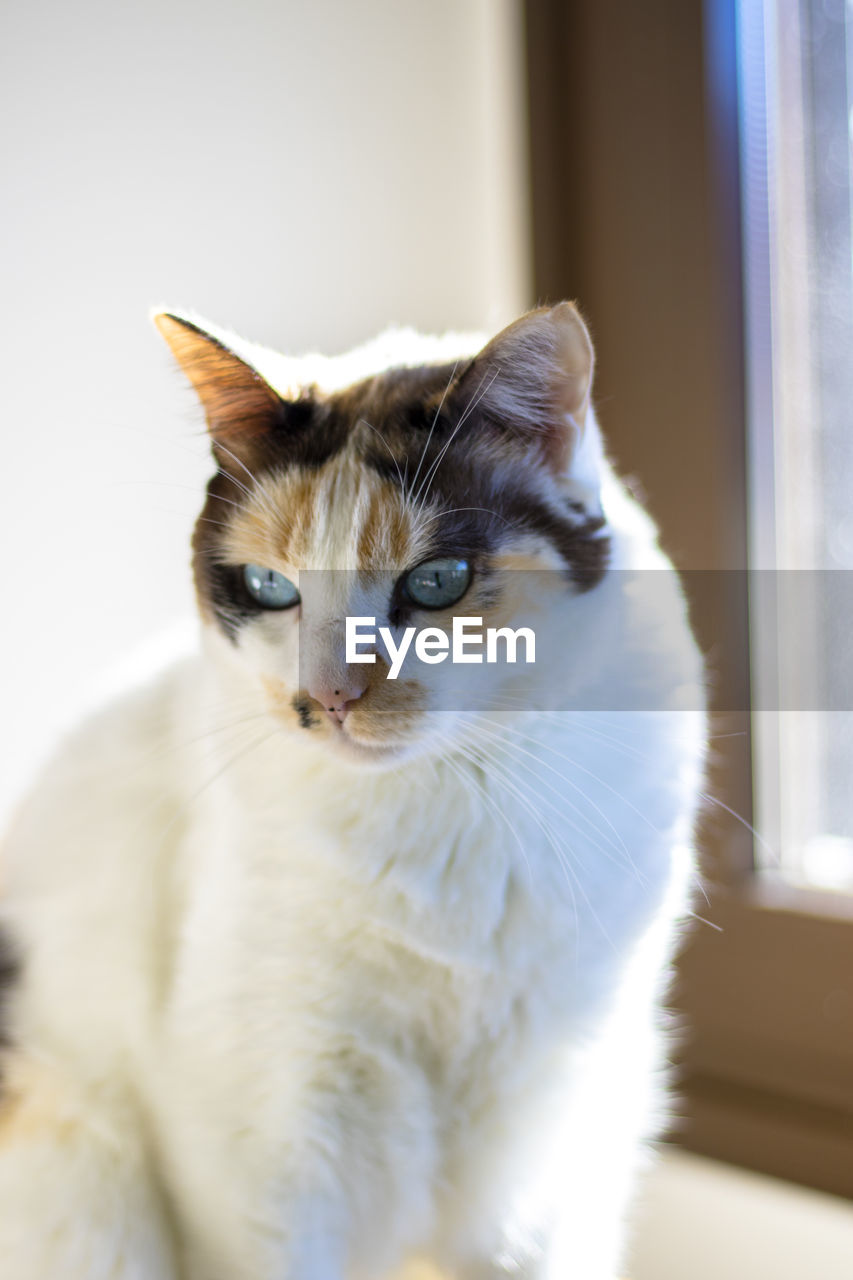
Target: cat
315,975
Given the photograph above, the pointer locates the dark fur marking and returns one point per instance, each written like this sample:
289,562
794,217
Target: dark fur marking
402,450
305,433
584,549
10,972
480,516
220,588
302,707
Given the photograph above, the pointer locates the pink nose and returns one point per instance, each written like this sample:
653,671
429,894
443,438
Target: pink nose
336,702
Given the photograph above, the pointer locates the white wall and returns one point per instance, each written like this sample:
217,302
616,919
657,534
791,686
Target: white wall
306,173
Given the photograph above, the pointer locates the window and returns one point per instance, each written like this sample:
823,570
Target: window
795,107
724,345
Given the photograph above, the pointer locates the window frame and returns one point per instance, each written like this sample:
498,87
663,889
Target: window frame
634,118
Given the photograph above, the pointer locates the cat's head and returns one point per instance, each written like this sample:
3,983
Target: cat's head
399,483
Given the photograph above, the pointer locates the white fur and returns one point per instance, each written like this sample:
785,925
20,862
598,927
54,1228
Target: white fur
283,1016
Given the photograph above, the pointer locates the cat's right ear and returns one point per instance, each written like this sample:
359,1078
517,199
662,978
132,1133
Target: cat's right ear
239,405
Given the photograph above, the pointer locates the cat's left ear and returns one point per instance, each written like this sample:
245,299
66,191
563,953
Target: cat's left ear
535,379
240,406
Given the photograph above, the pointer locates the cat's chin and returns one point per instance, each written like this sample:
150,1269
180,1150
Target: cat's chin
363,753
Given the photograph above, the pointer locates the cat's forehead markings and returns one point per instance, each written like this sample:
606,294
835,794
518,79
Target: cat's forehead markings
385,418
386,535
341,515
271,520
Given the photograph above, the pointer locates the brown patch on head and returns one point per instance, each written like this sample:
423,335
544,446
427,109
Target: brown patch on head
396,400
404,465
528,387
341,514
274,522
385,532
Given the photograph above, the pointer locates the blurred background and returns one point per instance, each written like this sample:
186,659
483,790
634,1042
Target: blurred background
309,174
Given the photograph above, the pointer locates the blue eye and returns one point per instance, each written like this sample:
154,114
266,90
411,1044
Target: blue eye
438,583
271,589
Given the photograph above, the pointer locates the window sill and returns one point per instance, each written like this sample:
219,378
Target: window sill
710,1221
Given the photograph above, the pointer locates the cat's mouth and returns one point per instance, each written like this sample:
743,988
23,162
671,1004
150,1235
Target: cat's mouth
377,729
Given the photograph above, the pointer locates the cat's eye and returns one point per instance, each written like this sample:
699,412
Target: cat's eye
437,584
269,587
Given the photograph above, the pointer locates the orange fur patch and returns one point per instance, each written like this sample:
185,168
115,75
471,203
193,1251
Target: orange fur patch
317,519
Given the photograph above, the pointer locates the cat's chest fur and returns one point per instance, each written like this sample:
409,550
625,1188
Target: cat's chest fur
394,965
418,928
418,914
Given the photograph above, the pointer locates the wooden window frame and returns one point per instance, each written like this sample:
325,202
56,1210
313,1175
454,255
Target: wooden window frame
634,143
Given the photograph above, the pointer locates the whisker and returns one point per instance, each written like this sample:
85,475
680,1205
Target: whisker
240,463
257,493
171,484
432,426
429,475
569,875
388,447
495,806
618,844
439,515
702,920
575,764
223,524
706,795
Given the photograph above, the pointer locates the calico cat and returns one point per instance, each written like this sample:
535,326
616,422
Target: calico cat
316,975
